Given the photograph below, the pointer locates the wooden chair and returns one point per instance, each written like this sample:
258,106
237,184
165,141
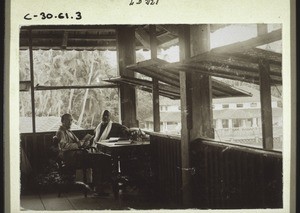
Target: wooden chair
68,162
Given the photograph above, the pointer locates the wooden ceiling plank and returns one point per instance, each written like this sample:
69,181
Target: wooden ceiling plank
226,75
71,37
215,69
79,28
216,85
172,42
146,85
250,43
162,73
231,61
253,55
173,29
143,37
237,47
158,76
142,64
41,87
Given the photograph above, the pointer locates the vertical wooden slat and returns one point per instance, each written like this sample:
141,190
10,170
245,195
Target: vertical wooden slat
221,169
265,96
206,175
227,178
239,177
266,104
32,82
184,45
155,83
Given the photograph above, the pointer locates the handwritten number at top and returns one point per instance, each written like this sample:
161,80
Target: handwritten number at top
148,2
78,15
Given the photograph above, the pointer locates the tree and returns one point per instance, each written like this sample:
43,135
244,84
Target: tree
62,68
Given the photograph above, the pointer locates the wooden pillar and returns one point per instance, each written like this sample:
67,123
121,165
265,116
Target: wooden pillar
196,100
265,97
266,106
201,90
32,83
155,87
126,56
184,49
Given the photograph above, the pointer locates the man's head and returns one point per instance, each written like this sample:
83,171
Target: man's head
66,120
105,116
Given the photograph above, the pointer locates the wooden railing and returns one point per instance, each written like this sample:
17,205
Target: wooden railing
224,175
229,176
166,164
38,150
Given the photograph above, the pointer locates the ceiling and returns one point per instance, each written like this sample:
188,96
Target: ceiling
94,37
238,61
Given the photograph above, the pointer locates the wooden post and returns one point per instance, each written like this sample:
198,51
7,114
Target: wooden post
126,56
184,49
266,105
201,90
32,83
265,97
196,100
155,87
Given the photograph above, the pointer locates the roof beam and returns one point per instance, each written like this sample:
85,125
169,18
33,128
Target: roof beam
71,37
251,43
40,87
173,29
143,37
69,27
240,47
254,54
146,85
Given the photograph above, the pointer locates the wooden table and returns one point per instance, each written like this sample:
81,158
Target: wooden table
128,159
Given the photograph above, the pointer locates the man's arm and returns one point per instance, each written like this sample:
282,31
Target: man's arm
124,131
65,142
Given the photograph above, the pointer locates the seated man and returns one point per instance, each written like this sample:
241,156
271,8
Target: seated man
107,129
102,164
68,141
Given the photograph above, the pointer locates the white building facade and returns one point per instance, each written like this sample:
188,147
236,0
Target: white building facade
234,119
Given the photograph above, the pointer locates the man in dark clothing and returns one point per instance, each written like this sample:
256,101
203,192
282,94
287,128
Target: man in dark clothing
102,163
107,129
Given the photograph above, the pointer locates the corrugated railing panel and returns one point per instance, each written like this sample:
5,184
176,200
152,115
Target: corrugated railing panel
235,177
166,167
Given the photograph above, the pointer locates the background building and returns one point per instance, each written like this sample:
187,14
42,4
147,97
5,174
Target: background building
235,119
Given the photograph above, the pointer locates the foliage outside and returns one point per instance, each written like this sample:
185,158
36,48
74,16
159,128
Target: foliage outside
65,68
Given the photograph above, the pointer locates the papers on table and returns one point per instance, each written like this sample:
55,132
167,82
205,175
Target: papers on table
123,142
112,139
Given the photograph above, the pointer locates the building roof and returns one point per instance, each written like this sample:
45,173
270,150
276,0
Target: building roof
43,124
219,114
243,113
246,99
